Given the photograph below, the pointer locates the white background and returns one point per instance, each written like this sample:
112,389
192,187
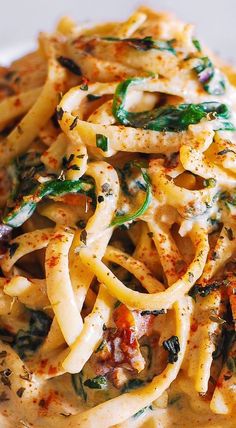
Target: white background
21,20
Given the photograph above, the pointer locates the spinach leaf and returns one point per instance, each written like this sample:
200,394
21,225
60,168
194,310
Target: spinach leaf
132,384
28,341
204,291
231,364
212,80
77,382
168,118
121,219
27,204
70,65
172,346
145,44
98,382
197,45
102,142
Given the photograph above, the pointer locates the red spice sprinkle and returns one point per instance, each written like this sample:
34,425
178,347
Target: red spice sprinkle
52,370
17,102
53,261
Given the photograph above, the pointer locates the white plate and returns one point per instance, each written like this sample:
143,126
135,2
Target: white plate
21,20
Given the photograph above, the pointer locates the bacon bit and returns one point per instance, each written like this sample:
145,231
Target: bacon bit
122,350
123,317
74,199
122,346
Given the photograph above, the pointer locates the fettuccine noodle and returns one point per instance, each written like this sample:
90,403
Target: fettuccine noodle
117,234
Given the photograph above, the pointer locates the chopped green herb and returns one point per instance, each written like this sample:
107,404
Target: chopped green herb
102,142
155,312
190,276
84,87
74,167
142,411
59,113
66,161
74,123
229,233
101,346
98,382
209,182
83,236
20,392
100,199
217,319
117,304
4,377
106,189
81,224
223,152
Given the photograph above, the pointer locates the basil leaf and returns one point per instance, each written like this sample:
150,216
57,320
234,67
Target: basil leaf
145,44
102,142
168,118
212,80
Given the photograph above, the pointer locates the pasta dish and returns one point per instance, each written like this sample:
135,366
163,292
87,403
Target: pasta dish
117,234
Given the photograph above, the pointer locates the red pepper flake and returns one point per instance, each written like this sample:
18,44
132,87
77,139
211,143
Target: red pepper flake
52,370
17,102
53,261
